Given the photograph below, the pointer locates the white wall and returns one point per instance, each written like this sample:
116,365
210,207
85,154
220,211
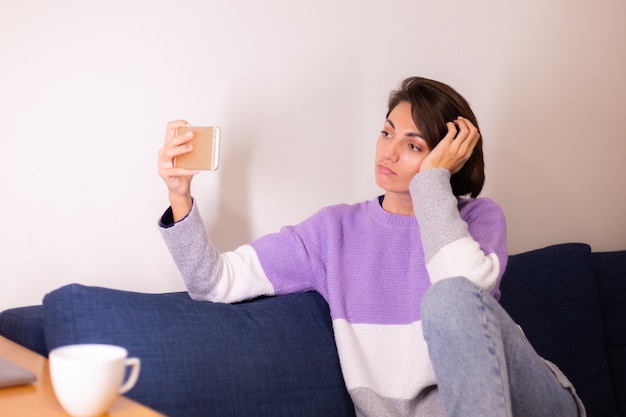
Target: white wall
299,89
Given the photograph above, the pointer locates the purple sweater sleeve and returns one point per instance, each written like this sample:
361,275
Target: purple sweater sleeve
294,259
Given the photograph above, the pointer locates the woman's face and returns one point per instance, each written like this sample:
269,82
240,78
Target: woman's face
400,150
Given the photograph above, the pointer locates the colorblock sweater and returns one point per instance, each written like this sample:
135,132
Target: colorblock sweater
372,267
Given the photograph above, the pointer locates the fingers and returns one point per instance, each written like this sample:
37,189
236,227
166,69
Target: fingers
466,135
178,180
456,147
168,173
463,129
170,131
175,145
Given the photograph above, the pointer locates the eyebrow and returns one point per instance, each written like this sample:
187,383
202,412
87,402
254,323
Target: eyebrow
410,134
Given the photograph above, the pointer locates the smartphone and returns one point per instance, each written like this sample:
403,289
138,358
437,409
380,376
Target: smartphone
206,148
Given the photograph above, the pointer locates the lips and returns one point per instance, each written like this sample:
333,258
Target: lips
382,169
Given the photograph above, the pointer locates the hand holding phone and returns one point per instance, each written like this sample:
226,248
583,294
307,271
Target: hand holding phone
206,148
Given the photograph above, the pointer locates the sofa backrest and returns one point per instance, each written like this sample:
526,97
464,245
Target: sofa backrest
553,293
610,269
273,356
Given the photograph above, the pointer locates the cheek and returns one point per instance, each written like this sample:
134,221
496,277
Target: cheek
413,161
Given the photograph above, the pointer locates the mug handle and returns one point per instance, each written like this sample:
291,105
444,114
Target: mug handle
135,364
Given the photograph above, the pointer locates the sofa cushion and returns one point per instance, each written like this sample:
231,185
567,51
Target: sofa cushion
24,325
610,270
551,293
272,356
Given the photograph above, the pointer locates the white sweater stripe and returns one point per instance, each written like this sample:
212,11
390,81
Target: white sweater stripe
398,365
242,277
463,257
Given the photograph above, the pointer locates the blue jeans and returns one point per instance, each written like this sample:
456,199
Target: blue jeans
484,364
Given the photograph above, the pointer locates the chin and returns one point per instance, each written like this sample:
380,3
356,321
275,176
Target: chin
381,184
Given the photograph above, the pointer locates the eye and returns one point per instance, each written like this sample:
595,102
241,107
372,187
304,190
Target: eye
385,134
414,147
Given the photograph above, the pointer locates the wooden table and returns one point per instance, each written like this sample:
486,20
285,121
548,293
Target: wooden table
38,399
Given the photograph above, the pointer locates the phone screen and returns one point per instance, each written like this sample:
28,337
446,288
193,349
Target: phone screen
206,148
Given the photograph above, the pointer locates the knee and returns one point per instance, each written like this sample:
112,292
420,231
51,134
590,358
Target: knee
445,301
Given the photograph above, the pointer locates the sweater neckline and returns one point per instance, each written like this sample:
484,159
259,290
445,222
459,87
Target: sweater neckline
384,217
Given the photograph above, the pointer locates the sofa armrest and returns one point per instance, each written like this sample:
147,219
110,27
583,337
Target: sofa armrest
24,325
273,355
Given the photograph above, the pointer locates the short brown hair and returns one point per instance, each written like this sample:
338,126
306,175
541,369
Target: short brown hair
434,103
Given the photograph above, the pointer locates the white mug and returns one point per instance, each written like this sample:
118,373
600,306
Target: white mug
87,378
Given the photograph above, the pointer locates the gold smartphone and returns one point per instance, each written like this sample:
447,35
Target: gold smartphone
206,148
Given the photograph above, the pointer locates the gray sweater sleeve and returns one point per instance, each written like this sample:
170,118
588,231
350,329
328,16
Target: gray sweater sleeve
436,209
471,245
193,252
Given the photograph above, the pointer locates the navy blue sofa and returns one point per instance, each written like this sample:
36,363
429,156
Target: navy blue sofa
276,356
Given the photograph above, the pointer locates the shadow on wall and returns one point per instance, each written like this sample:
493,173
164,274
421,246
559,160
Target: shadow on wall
232,227
554,142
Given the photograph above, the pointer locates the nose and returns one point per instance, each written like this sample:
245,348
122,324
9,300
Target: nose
392,151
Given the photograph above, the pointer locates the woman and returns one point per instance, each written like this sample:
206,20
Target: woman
413,338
